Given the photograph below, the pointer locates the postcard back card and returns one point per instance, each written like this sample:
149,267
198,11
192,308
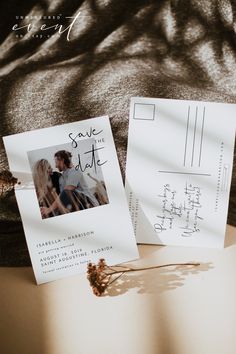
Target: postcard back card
179,169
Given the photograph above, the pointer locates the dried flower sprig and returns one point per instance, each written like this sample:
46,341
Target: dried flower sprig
7,182
101,276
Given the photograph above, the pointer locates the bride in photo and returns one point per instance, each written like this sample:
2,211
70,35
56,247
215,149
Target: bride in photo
47,186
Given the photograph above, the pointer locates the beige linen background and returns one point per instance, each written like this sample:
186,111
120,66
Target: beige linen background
117,49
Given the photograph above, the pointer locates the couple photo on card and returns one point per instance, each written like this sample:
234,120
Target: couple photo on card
61,187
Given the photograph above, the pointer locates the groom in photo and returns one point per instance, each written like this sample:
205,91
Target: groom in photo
74,192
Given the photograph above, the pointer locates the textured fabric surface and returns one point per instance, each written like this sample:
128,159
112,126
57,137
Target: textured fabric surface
117,49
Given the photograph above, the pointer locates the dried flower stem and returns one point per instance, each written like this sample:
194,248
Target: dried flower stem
7,182
152,267
100,275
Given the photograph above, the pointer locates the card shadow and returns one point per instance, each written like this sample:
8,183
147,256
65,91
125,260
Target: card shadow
230,236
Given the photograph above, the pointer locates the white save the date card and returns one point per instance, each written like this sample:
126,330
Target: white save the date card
71,197
179,169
